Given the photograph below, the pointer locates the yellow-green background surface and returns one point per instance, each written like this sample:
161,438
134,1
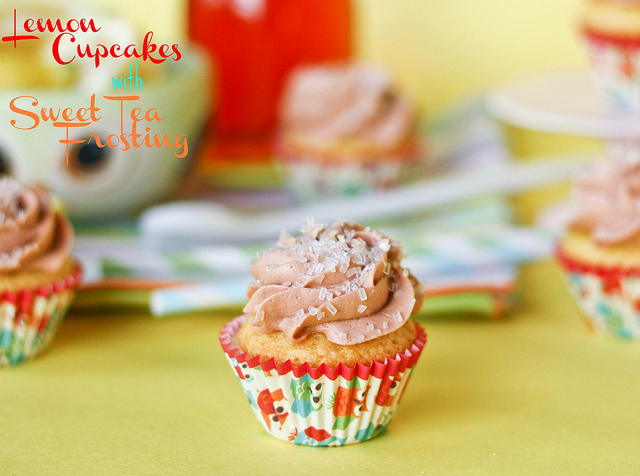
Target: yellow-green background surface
125,394
121,393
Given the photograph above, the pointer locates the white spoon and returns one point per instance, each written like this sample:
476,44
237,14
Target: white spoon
200,222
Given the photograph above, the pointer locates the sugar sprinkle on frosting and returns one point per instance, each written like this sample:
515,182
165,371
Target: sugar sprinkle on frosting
345,281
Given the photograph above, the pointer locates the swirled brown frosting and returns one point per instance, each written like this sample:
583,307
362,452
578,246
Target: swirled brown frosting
336,103
607,202
344,281
33,236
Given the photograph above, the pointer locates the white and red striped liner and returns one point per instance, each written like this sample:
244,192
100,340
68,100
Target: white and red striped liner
29,318
383,384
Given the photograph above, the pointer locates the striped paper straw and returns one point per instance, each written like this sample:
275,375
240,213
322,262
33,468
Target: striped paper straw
188,298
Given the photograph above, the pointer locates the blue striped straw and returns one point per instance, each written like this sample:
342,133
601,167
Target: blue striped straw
209,295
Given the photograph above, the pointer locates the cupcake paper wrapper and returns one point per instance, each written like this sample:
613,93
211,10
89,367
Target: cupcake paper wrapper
616,67
311,177
31,317
321,406
609,297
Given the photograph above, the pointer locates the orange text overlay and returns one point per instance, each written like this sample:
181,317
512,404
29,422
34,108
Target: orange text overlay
68,118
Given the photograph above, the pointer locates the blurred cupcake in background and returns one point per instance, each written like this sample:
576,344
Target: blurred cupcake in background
600,252
611,29
38,276
345,129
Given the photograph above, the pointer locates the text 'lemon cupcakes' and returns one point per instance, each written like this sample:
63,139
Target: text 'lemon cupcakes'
38,277
344,129
600,252
326,347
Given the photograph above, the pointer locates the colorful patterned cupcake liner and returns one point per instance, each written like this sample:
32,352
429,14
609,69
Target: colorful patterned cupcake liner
29,318
616,67
322,406
609,297
312,177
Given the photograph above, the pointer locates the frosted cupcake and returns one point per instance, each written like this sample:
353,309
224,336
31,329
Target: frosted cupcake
38,277
611,29
326,347
601,250
344,130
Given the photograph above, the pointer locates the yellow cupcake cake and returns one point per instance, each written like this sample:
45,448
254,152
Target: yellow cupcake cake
601,250
611,29
344,129
327,345
38,277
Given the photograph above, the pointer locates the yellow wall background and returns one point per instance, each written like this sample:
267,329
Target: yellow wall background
440,50
443,49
